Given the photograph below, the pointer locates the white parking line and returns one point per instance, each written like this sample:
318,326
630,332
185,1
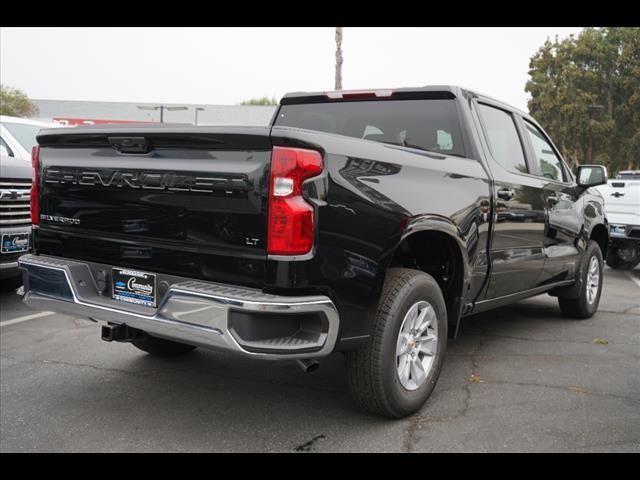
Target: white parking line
26,318
633,278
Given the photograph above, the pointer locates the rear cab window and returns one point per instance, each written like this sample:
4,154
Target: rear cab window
425,124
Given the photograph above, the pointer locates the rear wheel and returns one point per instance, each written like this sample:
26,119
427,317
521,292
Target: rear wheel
624,257
159,346
395,373
590,276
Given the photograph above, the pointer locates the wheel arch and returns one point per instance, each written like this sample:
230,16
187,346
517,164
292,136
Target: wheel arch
600,234
445,259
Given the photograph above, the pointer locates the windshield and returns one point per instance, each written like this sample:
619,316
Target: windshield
629,175
25,134
431,125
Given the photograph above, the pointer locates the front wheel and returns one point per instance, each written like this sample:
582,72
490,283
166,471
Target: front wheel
589,282
395,373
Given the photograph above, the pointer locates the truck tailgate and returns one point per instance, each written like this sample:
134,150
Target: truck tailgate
182,201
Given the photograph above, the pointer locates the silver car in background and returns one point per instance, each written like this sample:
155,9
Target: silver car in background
17,137
15,217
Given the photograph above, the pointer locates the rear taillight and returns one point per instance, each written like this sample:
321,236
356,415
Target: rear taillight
291,227
35,161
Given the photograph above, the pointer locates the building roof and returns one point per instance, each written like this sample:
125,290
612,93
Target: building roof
129,111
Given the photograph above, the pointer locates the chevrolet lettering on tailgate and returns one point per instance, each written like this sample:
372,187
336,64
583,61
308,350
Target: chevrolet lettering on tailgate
140,179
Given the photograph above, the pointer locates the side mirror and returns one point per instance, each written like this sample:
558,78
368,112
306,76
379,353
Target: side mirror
3,151
591,175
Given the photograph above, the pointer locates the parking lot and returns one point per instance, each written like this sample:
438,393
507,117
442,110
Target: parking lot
521,378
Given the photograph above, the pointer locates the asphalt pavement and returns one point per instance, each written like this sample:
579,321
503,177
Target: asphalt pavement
520,378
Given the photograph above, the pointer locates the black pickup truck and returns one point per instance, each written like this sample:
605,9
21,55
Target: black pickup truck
361,222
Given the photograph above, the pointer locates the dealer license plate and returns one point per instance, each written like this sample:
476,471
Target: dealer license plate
132,286
15,242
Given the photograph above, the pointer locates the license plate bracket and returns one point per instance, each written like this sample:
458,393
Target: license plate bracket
133,286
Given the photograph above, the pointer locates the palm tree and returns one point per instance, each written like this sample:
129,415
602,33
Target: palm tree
338,58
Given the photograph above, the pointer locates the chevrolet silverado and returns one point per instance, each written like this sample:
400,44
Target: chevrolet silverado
362,222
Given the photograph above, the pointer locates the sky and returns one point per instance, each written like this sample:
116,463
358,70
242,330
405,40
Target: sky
227,65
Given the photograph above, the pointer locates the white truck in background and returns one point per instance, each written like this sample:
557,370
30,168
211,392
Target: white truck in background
622,207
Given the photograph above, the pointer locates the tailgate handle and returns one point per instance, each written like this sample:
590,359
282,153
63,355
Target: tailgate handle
130,144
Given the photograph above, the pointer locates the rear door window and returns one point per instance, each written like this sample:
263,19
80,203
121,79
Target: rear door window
503,138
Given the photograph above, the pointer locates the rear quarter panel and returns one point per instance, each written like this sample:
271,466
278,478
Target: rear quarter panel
370,196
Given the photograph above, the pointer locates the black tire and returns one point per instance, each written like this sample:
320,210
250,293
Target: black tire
372,371
616,262
11,283
579,305
159,346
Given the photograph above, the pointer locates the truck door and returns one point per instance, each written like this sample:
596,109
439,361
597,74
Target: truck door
563,220
517,256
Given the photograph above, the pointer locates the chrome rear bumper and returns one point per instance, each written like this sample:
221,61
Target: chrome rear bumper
190,311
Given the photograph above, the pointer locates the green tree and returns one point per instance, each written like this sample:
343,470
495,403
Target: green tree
585,91
15,102
260,101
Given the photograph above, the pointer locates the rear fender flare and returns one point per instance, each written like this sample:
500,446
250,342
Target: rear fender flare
437,223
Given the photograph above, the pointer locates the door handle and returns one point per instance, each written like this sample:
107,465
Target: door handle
553,199
506,194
